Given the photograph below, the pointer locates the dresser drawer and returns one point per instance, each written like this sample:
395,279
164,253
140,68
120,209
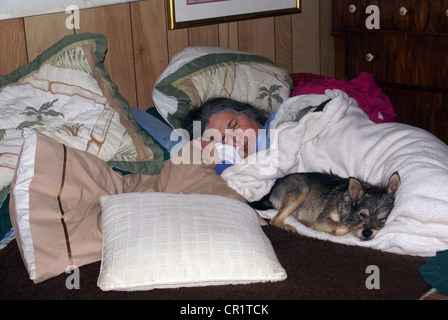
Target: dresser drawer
398,15
442,63
439,15
394,58
423,109
408,55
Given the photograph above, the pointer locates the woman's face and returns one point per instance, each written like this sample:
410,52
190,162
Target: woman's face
238,130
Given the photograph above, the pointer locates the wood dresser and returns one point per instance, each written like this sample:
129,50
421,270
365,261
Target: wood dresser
408,54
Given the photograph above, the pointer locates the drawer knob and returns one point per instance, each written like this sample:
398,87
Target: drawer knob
403,11
352,8
446,12
370,57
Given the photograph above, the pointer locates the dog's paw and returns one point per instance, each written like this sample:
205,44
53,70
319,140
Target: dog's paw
340,230
289,228
283,226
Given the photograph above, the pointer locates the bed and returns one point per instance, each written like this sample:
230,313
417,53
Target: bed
105,206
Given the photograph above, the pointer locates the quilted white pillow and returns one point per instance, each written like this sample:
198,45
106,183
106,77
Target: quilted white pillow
162,240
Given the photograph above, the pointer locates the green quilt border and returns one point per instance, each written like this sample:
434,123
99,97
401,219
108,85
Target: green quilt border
166,85
70,40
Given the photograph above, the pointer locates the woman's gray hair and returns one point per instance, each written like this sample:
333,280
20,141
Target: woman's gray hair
218,105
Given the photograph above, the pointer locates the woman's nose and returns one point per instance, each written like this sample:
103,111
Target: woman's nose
232,138
238,138
229,138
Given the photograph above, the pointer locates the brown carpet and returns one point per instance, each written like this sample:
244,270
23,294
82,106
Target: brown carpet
316,270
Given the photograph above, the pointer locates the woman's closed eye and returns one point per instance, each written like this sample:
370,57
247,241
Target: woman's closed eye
228,137
233,124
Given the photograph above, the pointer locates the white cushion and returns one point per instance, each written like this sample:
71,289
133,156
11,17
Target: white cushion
162,240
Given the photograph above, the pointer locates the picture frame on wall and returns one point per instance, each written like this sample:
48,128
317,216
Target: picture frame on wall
192,13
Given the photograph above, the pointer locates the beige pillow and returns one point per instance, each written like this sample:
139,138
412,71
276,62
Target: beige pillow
55,208
163,240
54,205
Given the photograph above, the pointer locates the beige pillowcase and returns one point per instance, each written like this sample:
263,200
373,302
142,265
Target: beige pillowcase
55,209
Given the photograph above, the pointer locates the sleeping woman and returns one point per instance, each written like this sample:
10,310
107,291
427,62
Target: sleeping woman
236,130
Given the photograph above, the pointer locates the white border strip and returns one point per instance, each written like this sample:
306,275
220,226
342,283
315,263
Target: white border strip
10,9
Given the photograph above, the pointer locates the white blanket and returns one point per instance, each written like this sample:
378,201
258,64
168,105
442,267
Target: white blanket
343,140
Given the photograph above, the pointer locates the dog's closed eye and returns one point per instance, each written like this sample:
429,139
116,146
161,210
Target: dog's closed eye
382,220
364,214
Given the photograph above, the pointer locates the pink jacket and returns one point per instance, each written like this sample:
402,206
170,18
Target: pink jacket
363,89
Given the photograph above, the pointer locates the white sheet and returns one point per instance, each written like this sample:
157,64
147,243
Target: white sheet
343,140
23,8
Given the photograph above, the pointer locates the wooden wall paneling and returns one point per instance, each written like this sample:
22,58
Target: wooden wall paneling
13,53
177,41
228,35
44,31
203,36
140,45
115,23
150,47
257,36
306,40
283,43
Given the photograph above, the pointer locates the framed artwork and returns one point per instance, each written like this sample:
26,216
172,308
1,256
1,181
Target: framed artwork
191,13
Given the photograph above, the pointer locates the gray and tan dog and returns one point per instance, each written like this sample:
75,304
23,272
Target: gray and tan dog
326,202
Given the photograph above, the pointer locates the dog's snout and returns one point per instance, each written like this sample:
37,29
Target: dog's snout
366,234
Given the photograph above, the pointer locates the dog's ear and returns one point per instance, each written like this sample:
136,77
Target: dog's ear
355,188
394,184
